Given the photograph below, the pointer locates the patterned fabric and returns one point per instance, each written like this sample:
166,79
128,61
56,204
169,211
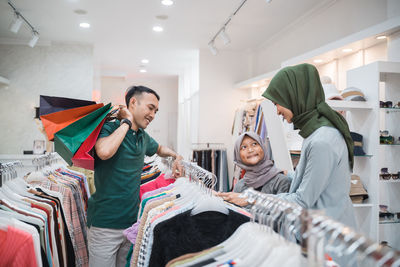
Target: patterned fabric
143,247
72,219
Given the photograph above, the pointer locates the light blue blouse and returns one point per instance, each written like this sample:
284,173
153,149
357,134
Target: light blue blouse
322,177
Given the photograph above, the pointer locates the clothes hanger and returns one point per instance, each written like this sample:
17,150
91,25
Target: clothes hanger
209,202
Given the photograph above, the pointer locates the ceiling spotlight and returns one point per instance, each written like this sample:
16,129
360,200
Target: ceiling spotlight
268,1
34,39
16,24
145,61
381,37
225,37
158,29
346,50
143,70
318,60
212,48
84,25
167,2
254,85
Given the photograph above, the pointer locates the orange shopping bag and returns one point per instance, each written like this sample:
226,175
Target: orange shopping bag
56,121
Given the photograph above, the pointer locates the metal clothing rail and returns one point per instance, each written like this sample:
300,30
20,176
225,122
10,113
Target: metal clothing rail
194,172
314,228
8,171
222,146
45,160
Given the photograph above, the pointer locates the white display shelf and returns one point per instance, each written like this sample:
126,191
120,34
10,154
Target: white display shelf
364,156
4,81
362,205
390,109
389,181
388,222
349,105
389,144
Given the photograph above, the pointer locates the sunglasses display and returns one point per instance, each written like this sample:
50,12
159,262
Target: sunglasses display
386,139
385,175
388,104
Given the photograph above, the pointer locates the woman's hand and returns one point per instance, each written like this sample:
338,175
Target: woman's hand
233,198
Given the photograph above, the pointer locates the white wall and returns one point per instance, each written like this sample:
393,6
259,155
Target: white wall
56,70
188,98
218,100
164,126
338,68
343,18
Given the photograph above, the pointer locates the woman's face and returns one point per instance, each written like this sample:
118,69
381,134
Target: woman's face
285,112
251,151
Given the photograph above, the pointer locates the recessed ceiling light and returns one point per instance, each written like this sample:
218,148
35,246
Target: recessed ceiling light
84,25
158,29
381,37
318,60
167,2
254,85
145,61
346,50
143,70
162,17
80,11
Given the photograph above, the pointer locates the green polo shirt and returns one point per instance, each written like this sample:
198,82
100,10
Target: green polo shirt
116,201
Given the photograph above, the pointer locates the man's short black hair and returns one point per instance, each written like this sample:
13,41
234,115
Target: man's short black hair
138,90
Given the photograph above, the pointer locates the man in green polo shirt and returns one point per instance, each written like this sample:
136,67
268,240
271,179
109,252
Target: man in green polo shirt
119,160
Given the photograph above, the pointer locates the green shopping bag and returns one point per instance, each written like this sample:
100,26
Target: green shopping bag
68,140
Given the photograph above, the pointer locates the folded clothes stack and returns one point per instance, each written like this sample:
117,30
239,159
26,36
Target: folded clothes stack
150,170
357,191
353,94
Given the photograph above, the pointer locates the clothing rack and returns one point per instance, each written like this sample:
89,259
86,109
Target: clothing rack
194,172
222,146
45,160
315,228
8,171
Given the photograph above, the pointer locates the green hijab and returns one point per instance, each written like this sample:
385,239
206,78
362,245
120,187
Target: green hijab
299,89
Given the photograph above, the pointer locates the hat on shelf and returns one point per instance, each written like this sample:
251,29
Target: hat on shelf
330,91
357,190
353,94
358,144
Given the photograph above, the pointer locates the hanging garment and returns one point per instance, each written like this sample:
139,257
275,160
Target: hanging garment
185,233
16,248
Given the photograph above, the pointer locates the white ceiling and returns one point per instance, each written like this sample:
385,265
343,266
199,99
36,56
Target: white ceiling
121,30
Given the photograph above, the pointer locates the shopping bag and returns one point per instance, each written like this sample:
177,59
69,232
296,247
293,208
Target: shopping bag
51,104
54,122
84,156
68,140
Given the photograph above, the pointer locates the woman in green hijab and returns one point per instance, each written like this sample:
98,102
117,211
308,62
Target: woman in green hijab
322,177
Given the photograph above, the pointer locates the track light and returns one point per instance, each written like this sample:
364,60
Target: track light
225,37
212,48
16,24
34,39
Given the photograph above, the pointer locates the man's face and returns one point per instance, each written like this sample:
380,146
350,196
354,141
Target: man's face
143,108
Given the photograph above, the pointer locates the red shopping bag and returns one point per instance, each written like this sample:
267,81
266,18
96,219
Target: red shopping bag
56,121
84,156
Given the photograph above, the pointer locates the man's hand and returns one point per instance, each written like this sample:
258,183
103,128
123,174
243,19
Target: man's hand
234,198
177,168
124,113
